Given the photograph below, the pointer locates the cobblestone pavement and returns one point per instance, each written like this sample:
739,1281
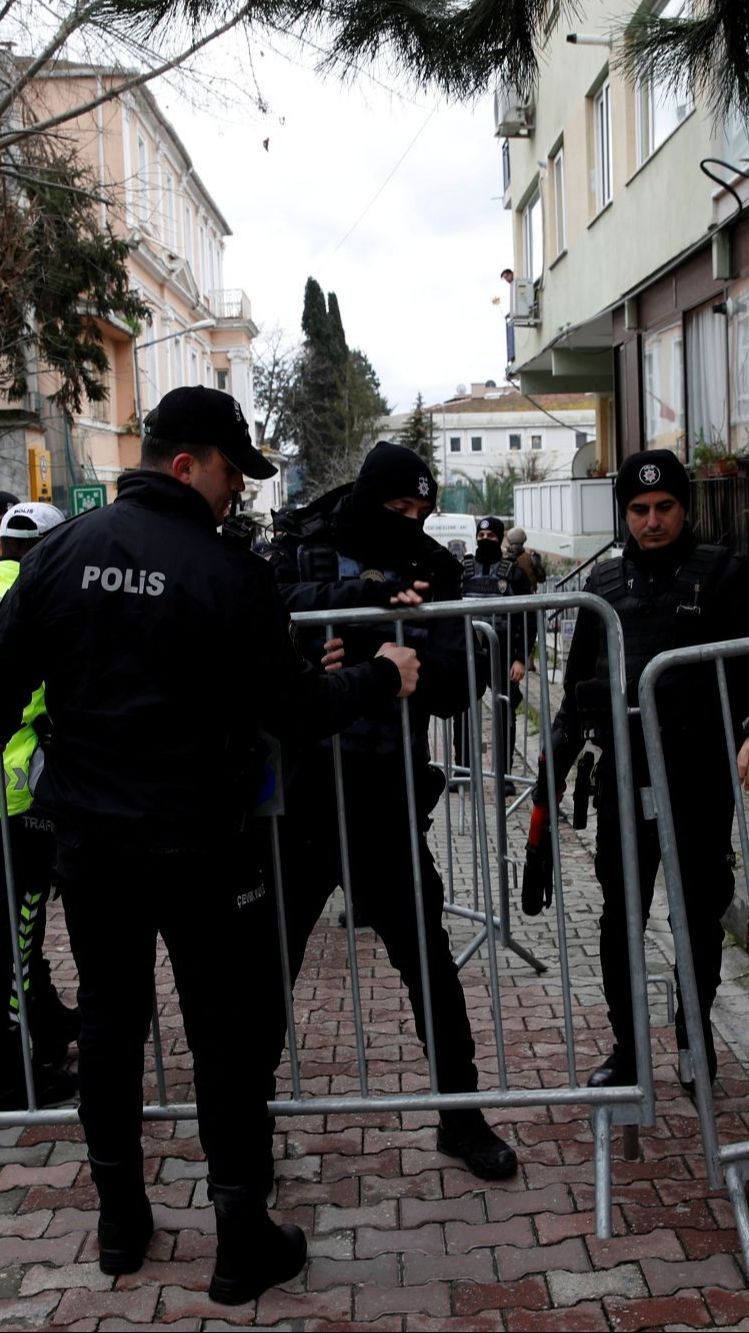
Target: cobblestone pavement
402,1237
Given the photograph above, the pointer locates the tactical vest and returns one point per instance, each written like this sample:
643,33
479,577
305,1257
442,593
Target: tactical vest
496,582
655,620
22,759
322,564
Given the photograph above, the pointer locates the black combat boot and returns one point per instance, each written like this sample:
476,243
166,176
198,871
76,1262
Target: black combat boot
253,1253
619,1070
125,1218
465,1134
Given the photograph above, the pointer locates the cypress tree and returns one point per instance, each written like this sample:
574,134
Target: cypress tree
418,433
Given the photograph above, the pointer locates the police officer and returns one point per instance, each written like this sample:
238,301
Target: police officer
53,1026
493,573
364,545
669,592
165,651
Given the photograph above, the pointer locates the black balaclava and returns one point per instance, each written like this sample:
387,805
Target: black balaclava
488,552
389,472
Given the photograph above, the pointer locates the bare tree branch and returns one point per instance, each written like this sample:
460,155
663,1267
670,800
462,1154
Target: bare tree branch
136,81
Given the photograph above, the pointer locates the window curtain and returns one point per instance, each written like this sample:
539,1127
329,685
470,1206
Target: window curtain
707,378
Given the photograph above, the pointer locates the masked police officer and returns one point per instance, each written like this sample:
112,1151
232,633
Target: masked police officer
144,622
364,545
495,573
669,592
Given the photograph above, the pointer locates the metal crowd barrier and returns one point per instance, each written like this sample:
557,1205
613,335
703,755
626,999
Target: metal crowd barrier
732,1160
632,1105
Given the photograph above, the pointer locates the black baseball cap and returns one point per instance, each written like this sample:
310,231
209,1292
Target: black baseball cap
197,415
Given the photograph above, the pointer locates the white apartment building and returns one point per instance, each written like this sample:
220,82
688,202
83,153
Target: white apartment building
631,266
490,428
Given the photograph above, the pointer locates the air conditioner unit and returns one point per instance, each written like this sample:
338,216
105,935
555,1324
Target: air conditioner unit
523,304
513,114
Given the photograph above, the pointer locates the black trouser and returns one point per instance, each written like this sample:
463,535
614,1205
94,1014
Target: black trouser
702,805
218,922
382,888
33,854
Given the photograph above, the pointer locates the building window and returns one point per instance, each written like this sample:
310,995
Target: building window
537,441
170,218
176,366
557,185
515,441
222,380
476,445
663,388
658,111
533,238
188,235
602,136
581,439
142,179
707,376
454,444
202,279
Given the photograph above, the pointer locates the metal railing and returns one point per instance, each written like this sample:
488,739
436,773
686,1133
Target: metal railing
732,1160
607,1106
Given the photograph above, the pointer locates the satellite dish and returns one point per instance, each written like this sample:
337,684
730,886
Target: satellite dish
461,390
583,459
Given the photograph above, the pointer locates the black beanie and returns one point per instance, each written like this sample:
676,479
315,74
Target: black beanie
654,470
391,472
491,524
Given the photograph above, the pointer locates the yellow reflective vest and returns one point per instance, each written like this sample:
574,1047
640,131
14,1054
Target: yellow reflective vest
20,750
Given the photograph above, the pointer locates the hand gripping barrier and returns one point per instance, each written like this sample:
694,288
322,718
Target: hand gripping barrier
607,1106
732,1160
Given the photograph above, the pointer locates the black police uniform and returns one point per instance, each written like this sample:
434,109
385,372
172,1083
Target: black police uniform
504,577
672,597
165,650
322,561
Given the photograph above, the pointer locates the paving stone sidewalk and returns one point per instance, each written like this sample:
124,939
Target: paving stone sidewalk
401,1237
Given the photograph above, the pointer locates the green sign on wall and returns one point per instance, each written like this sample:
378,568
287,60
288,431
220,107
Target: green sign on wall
83,498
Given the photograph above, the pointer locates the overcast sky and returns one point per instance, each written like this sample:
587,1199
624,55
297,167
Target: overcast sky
416,276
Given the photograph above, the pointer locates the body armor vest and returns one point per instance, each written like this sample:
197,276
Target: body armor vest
495,582
657,614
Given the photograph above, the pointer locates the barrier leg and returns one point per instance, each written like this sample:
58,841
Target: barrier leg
601,1117
736,1185
158,1049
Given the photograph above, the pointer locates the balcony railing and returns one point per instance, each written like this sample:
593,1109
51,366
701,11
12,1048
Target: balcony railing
230,304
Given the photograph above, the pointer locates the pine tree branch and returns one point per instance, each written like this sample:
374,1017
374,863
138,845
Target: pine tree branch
707,54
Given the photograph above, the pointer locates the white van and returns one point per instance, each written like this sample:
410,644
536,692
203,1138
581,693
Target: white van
457,532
